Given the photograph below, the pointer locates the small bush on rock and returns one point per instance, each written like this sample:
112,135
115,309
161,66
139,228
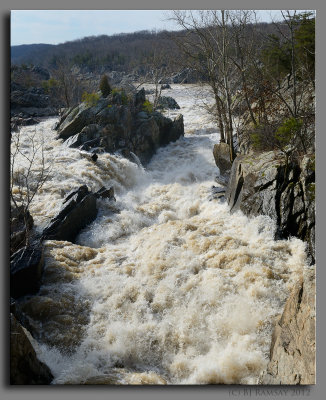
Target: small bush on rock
147,107
91,99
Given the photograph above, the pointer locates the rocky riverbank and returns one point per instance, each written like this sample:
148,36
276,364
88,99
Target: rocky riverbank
266,184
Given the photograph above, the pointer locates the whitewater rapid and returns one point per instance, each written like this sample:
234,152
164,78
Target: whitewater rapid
165,286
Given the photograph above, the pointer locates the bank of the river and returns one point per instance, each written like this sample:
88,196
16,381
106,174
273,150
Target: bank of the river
166,286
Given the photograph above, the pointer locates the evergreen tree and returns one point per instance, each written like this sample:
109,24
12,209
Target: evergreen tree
105,86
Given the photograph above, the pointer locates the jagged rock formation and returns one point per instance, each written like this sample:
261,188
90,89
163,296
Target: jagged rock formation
167,102
79,209
117,123
292,353
25,367
265,184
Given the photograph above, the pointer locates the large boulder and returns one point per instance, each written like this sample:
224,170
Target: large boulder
293,348
169,131
167,102
26,267
79,209
25,367
221,152
265,184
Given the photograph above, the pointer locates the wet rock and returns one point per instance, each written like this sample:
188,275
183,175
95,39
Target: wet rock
79,209
107,379
264,184
25,367
165,86
167,102
169,131
221,152
26,267
106,193
293,348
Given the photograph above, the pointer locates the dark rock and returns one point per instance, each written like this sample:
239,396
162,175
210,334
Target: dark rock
165,86
293,348
25,367
123,128
264,184
26,267
106,193
139,98
21,223
79,209
170,131
221,152
167,102
41,72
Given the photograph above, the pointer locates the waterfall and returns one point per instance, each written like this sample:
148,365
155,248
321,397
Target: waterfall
165,286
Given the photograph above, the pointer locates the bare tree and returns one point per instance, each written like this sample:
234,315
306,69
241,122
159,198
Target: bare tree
28,173
208,41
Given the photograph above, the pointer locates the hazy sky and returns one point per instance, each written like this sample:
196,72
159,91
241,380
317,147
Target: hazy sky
58,26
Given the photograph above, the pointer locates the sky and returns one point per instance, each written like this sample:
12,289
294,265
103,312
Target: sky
58,26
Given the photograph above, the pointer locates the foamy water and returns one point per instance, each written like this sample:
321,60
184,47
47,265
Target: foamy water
165,286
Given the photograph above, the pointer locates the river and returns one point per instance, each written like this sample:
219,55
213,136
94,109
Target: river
165,286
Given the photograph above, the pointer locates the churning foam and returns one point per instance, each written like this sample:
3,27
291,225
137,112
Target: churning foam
164,286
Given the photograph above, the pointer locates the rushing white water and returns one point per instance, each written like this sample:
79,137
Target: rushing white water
165,286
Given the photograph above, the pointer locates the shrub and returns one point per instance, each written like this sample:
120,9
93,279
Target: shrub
91,99
120,96
147,107
286,133
105,86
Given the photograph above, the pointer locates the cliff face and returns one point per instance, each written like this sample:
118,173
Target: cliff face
265,184
292,353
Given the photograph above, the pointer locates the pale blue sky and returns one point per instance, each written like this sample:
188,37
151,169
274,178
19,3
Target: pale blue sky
58,26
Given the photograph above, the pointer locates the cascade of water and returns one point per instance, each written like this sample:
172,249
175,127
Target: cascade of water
167,286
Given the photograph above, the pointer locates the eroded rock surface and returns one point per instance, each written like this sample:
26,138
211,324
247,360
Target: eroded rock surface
265,184
292,354
25,367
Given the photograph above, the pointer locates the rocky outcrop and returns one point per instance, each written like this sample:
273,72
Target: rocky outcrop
265,184
221,152
29,102
26,267
167,102
119,123
79,209
292,353
25,367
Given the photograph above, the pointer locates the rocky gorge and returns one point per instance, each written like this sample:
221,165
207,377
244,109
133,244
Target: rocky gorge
159,237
